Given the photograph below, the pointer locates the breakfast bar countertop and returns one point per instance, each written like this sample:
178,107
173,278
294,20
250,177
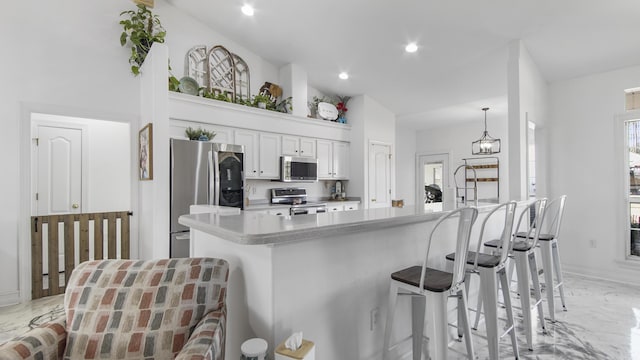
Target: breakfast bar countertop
252,228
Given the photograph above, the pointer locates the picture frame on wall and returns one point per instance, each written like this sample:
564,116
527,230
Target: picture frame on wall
145,153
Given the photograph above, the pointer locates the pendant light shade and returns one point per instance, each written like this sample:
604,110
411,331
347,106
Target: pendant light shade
486,145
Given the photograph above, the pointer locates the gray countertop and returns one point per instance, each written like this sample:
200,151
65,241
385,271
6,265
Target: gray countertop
254,228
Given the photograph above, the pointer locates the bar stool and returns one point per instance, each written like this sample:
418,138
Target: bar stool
548,244
490,267
431,287
523,253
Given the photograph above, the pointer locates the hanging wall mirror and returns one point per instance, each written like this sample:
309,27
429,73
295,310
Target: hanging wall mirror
196,63
243,87
222,72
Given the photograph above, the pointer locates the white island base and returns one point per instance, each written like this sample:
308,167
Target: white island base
326,275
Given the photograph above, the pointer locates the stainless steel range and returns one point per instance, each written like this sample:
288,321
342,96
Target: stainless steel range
297,198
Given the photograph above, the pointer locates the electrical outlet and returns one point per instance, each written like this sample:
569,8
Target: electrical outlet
374,317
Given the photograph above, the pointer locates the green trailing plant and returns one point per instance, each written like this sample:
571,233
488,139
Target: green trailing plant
199,134
284,106
174,84
261,98
141,29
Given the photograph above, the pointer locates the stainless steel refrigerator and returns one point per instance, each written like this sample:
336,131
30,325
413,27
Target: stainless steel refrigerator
202,173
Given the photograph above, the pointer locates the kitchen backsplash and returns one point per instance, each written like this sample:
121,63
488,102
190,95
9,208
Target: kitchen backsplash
259,189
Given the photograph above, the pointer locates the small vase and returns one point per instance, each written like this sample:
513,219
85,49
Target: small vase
342,120
262,105
203,138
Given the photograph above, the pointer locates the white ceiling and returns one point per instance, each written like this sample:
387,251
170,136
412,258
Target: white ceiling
460,66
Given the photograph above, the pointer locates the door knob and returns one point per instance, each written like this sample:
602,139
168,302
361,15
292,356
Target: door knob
75,206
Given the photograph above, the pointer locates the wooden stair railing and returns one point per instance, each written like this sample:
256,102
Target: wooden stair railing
51,224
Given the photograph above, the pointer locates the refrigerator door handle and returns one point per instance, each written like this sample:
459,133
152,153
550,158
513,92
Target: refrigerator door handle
216,177
183,237
212,179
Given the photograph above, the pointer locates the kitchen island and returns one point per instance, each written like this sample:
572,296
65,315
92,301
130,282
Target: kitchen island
325,274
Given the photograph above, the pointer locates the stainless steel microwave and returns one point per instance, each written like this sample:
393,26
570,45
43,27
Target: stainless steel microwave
298,169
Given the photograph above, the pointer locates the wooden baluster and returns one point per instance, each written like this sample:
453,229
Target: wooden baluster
98,240
69,249
111,243
36,257
124,235
84,237
52,242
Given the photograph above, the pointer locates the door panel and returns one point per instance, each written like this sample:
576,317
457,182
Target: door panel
379,176
59,167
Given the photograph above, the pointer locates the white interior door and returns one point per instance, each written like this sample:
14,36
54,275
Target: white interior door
59,170
379,175
58,177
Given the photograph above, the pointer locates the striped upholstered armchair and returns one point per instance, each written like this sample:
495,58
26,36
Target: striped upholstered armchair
128,309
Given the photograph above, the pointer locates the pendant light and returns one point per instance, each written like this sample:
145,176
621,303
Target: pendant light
486,145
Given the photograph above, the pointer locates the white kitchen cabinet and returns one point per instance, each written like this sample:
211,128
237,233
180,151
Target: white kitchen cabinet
279,212
270,151
333,159
297,146
351,206
249,139
334,208
261,154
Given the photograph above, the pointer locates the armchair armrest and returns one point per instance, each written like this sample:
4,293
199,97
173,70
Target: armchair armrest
44,342
207,338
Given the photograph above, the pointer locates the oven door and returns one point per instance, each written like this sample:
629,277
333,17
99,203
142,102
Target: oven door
299,211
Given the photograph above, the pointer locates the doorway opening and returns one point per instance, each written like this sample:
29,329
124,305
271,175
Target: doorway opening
433,180
80,168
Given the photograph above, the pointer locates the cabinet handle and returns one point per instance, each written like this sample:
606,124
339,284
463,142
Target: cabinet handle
254,171
373,200
261,172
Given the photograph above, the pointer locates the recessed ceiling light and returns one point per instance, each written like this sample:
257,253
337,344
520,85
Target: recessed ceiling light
343,76
411,47
247,9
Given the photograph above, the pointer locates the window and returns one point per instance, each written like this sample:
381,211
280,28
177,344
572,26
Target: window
633,144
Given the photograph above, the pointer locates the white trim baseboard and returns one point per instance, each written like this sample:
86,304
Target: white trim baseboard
9,298
621,275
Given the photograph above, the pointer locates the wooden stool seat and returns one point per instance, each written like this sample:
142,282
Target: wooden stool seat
434,280
543,237
484,260
517,245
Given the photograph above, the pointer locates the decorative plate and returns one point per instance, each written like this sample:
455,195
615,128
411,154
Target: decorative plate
188,85
327,111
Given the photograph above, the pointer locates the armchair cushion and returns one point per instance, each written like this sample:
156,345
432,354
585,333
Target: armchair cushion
207,340
44,342
130,309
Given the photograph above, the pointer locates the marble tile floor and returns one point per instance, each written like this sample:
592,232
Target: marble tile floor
602,322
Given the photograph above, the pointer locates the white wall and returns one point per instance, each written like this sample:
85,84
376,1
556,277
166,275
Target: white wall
369,121
405,164
456,140
584,164
528,100
62,63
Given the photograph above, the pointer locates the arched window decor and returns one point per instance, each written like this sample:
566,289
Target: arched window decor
222,72
243,87
196,63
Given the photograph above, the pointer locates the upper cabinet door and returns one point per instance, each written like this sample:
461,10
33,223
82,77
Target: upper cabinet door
308,147
325,159
270,151
290,145
341,160
249,139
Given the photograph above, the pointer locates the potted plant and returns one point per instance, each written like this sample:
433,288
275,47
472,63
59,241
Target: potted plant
262,101
141,30
199,134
